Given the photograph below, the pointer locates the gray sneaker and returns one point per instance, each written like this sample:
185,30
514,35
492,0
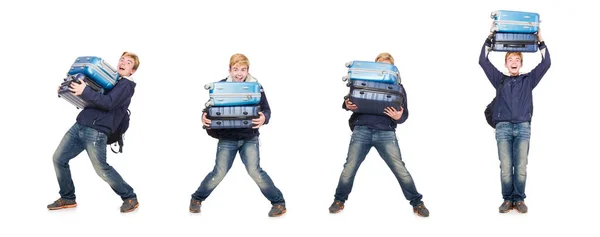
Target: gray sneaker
521,207
62,203
129,205
336,206
506,206
195,205
421,210
277,210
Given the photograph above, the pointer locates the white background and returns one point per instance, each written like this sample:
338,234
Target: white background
297,51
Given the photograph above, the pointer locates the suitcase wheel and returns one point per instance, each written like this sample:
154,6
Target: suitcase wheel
349,63
388,96
218,122
363,84
245,122
209,86
218,113
209,103
245,113
362,92
345,78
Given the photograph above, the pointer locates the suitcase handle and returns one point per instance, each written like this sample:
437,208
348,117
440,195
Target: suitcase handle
514,45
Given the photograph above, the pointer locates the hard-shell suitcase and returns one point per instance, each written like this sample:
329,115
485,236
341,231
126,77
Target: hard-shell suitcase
515,42
374,98
372,71
66,94
230,123
240,112
96,69
515,21
233,93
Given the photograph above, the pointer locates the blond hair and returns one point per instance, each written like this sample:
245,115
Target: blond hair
385,56
513,53
239,59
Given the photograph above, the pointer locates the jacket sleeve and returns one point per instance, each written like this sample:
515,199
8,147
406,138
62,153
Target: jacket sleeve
492,73
264,106
405,106
538,72
110,100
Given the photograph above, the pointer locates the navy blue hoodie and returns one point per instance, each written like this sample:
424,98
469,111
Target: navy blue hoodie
515,101
106,110
243,133
379,122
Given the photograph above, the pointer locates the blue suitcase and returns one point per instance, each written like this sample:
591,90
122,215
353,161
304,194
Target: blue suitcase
97,69
233,93
515,42
241,112
373,97
372,71
231,123
66,94
515,21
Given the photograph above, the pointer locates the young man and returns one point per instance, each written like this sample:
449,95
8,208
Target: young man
90,132
244,141
512,114
377,131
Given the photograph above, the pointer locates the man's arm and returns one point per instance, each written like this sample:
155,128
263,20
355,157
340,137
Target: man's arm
538,72
113,98
492,73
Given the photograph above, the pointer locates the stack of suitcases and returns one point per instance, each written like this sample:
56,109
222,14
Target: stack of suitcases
514,31
232,104
94,72
374,86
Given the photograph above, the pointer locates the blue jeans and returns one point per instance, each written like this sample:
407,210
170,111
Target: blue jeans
513,148
80,138
363,138
226,152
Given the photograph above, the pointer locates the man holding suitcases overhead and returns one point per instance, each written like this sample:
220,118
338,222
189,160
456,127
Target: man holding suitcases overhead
90,133
511,115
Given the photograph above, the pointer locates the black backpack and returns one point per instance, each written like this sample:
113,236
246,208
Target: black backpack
489,110
117,135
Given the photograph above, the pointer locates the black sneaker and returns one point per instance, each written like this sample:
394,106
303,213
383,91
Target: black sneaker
336,206
277,210
421,210
506,206
129,205
62,203
195,205
521,207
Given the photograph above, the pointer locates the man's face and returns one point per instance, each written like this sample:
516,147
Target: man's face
513,64
126,66
238,72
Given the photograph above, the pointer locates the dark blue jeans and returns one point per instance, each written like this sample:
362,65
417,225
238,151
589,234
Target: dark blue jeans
385,142
513,148
226,152
80,138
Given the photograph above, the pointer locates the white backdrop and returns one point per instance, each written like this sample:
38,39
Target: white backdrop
297,50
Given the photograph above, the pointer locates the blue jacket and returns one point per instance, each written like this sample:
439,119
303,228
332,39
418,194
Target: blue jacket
379,122
106,110
514,102
243,133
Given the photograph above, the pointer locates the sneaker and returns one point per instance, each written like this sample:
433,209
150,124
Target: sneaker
421,210
506,206
277,210
62,203
195,205
521,207
336,206
129,205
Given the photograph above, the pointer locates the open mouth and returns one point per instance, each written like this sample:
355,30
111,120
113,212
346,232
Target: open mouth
513,67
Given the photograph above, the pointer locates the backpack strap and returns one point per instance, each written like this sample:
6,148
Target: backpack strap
500,86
